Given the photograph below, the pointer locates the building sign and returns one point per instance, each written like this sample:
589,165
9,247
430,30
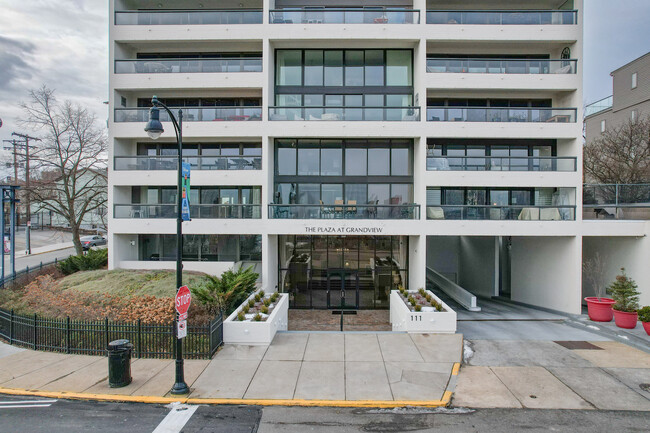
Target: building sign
185,184
345,230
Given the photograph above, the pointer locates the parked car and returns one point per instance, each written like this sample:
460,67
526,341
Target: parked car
92,241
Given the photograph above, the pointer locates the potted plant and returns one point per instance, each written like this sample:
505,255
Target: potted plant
624,292
644,317
599,308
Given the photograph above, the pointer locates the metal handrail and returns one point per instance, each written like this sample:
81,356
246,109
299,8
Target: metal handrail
501,13
166,65
193,114
277,15
345,113
497,113
486,163
344,211
201,211
198,162
202,14
503,212
434,63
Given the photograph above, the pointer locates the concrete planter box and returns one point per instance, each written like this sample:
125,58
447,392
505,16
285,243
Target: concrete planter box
257,333
405,320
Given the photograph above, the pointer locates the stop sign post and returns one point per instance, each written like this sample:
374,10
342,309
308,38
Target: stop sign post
182,304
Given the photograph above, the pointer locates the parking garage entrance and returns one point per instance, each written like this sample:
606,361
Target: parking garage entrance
341,272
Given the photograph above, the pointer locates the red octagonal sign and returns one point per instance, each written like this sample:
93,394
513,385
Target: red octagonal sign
183,300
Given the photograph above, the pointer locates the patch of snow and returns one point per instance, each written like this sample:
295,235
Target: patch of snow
410,410
593,327
468,352
623,336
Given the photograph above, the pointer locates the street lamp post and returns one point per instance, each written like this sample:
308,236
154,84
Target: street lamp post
154,129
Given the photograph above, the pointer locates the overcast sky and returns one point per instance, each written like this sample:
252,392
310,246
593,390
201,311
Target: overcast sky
64,44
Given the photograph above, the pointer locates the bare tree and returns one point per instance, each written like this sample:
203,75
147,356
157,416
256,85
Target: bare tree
593,272
620,155
71,159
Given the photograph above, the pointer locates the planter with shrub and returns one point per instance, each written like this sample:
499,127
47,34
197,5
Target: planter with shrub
420,311
644,317
257,319
599,308
624,292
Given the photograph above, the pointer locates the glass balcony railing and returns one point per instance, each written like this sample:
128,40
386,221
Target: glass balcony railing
406,211
616,201
345,113
502,66
490,212
502,17
217,211
598,106
345,16
500,163
192,114
188,66
495,114
170,162
188,17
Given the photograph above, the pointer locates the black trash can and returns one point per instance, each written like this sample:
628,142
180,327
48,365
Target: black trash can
119,363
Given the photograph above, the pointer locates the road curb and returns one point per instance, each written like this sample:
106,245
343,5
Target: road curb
444,402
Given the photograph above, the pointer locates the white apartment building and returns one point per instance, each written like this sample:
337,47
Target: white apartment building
349,147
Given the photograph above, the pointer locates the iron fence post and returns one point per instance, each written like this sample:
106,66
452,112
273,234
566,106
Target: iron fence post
11,327
106,332
35,333
67,334
139,338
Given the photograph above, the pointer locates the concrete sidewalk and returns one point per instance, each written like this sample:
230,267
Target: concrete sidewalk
604,375
380,367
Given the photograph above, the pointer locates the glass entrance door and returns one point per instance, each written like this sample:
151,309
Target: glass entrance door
342,289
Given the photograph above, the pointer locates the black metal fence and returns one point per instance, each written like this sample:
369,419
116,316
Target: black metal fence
92,337
13,277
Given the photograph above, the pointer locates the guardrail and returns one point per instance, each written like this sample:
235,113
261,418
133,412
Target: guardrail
345,211
453,290
492,212
345,16
402,114
502,17
496,114
189,17
202,162
501,66
501,163
188,66
92,337
199,211
191,114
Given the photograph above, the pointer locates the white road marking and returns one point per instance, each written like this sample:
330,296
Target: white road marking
176,419
26,401
14,406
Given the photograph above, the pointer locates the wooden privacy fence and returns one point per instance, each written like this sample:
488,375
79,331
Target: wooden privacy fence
92,337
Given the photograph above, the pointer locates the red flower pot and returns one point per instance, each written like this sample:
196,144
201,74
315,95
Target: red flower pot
646,326
625,320
600,309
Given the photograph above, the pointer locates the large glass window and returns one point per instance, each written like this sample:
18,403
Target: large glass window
333,68
379,161
399,69
374,73
214,248
354,68
313,68
355,161
308,161
289,68
286,161
331,161
400,160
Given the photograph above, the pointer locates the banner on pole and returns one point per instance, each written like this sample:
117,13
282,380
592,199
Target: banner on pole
185,203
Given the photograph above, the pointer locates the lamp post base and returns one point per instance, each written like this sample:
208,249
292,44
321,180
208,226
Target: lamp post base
180,388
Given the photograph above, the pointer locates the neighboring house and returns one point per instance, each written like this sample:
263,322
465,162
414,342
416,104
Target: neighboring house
629,101
348,151
93,220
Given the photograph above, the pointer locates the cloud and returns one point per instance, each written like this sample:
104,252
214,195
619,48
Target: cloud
14,55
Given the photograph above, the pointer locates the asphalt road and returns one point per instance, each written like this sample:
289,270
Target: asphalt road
27,415
36,259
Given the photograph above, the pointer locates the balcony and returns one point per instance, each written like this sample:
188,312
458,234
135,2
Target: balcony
193,114
501,213
189,17
503,17
373,114
616,201
598,106
406,211
170,162
200,211
501,66
189,66
495,114
499,163
345,16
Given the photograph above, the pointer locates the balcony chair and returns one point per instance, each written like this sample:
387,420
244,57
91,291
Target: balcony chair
351,210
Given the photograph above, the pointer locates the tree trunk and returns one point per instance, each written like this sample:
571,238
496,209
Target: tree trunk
76,241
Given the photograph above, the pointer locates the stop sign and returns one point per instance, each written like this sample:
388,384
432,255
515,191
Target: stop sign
183,300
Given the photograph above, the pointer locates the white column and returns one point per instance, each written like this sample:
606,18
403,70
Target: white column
417,262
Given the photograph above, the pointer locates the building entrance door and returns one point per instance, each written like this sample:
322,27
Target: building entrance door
342,289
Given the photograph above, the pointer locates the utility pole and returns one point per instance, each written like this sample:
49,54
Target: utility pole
14,143
28,203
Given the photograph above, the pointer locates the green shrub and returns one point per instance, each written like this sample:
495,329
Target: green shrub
241,317
624,292
264,309
644,314
92,260
251,303
257,317
257,297
274,297
225,293
418,307
266,302
262,293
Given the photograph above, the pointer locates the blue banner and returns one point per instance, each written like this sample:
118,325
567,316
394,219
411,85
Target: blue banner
185,203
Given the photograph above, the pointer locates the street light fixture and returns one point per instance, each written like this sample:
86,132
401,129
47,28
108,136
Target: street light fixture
154,129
